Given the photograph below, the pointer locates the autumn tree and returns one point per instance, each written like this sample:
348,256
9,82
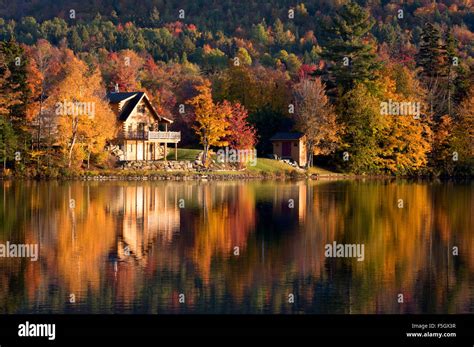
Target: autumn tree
102,126
242,135
45,65
84,118
211,123
243,57
122,70
34,81
405,139
315,118
238,83
9,93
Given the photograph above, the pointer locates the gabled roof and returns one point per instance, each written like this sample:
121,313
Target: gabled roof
132,99
281,136
116,97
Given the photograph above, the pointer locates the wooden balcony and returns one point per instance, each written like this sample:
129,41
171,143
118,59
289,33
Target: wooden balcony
172,136
156,136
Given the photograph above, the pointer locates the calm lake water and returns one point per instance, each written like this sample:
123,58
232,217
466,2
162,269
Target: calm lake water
134,247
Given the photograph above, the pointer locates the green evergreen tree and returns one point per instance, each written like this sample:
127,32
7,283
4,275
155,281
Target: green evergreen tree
75,40
350,55
8,141
433,60
432,56
16,62
359,112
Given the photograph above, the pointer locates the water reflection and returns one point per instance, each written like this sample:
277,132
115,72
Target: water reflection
237,247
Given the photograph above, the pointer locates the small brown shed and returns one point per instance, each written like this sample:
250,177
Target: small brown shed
290,145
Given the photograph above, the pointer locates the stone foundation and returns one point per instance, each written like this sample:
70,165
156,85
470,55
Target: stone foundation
162,165
171,165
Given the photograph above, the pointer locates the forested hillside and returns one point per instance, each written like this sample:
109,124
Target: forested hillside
393,80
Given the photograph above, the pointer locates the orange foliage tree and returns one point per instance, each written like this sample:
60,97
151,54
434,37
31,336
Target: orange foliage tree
211,123
83,115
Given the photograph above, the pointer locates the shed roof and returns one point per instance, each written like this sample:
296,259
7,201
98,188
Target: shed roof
282,136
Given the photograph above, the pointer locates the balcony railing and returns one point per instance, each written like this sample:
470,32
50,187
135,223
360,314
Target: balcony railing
164,135
173,136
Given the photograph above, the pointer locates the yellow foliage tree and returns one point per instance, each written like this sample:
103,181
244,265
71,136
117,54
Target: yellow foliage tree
211,120
84,118
406,138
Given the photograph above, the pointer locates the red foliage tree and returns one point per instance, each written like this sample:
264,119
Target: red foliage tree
242,134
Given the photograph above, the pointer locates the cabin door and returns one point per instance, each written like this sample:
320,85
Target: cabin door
140,151
286,149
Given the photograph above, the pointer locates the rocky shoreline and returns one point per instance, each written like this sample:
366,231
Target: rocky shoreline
190,171
171,176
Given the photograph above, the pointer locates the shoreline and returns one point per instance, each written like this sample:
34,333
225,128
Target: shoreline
108,175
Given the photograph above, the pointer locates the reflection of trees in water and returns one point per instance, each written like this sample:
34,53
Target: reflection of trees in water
190,250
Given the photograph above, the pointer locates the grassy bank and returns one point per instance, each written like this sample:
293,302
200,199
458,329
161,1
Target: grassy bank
264,168
183,154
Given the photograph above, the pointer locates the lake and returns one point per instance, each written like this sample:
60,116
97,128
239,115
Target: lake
238,247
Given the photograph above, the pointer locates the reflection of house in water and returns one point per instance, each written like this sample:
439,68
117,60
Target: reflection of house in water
150,214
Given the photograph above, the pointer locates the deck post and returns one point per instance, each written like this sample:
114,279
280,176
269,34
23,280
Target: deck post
176,151
166,149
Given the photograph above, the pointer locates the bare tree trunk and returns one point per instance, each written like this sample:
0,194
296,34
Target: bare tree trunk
70,151
40,116
449,90
75,122
88,158
204,154
49,144
309,156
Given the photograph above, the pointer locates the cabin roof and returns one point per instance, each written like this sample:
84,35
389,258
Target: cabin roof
116,97
285,136
132,99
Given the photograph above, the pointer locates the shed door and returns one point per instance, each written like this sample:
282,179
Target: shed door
286,149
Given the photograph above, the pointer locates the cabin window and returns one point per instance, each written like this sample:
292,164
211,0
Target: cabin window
141,108
151,148
141,128
295,144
